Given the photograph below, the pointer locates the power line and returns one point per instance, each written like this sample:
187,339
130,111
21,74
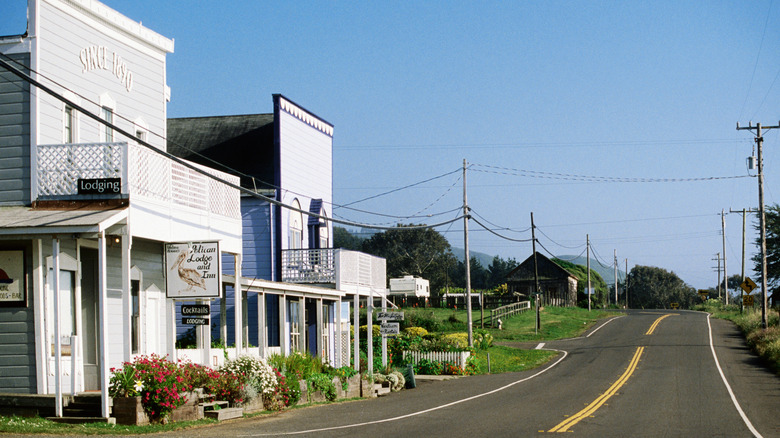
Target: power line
586,178
193,167
213,161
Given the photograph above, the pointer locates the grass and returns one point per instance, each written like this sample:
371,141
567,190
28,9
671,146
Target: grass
38,425
765,342
508,359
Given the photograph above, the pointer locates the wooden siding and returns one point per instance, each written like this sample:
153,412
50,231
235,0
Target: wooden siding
59,61
306,166
17,340
14,136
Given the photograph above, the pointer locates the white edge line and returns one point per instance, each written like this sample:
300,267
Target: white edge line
602,325
540,346
728,387
425,411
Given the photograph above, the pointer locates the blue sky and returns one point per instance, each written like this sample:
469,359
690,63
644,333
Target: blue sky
612,90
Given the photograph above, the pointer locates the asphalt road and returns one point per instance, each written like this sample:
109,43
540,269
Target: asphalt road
640,375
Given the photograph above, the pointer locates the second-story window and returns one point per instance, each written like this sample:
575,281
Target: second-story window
108,132
68,128
296,227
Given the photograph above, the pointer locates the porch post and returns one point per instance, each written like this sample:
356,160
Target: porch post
337,334
321,347
262,341
102,311
238,301
356,329
55,248
284,333
39,285
126,300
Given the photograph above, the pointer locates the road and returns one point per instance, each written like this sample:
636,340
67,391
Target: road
645,374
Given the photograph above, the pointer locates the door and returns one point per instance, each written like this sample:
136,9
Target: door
89,317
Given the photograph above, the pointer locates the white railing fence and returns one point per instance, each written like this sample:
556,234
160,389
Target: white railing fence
458,358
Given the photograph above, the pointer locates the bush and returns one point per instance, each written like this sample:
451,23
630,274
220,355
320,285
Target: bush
259,375
415,331
322,382
157,380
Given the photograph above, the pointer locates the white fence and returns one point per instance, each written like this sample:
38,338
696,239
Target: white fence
458,358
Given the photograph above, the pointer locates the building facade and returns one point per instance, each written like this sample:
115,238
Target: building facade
89,199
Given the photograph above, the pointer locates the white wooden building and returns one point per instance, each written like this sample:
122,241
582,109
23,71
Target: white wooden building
88,199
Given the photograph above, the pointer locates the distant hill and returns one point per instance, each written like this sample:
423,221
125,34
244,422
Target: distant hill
484,259
607,274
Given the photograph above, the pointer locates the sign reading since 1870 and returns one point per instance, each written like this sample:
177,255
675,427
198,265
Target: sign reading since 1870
192,270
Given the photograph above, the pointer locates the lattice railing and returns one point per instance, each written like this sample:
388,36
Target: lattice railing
308,266
144,173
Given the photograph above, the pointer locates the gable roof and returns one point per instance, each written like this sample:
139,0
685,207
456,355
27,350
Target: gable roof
235,144
548,270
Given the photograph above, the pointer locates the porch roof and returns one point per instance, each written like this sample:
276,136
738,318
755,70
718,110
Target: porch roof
20,221
275,287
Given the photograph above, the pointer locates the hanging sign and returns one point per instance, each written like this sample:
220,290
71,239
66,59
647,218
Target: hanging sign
390,316
389,328
12,279
192,270
188,320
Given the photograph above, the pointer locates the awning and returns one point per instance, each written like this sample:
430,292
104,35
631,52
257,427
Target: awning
26,221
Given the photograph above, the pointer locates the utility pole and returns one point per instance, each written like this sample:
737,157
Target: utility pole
536,274
717,257
761,213
626,284
587,249
616,298
744,212
469,322
725,274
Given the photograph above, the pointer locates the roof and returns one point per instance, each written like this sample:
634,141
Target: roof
240,144
548,270
18,221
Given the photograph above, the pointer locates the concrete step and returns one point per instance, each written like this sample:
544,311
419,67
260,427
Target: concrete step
82,420
215,405
225,413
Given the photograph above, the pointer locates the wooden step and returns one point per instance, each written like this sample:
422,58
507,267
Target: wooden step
215,405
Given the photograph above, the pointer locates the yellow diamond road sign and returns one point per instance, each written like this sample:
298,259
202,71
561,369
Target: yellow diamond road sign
748,285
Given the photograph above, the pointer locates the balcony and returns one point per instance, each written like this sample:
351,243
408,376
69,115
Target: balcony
170,200
349,271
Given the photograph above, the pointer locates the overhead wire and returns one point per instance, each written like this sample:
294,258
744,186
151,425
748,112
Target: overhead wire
230,169
193,167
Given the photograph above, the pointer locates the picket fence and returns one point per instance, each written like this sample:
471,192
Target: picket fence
458,358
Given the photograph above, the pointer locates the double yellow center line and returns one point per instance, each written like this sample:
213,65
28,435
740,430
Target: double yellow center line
565,425
655,324
593,406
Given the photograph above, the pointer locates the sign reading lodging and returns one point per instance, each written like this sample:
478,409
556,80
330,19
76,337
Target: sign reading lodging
748,285
389,328
189,320
390,316
192,270
99,186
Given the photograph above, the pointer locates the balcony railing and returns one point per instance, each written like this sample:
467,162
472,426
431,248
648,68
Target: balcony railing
145,175
314,266
346,270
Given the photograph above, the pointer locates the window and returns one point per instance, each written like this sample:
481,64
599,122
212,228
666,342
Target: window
67,296
68,131
296,227
324,234
135,314
108,132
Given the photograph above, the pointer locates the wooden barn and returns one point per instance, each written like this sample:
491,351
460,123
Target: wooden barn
557,285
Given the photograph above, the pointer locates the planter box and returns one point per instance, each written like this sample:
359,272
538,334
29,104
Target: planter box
129,411
254,405
189,410
367,388
353,388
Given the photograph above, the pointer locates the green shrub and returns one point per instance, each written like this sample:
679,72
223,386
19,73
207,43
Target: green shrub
322,382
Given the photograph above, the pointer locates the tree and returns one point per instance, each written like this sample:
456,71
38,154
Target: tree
772,214
498,271
657,288
342,238
422,252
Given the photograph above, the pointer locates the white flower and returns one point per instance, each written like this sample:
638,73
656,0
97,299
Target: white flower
139,386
